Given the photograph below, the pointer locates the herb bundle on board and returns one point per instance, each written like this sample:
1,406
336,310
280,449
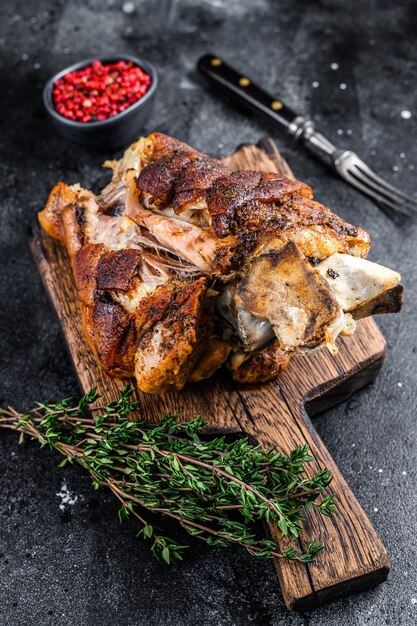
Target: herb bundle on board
214,488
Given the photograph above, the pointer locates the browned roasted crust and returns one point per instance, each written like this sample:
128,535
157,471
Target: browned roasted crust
177,173
108,327
72,218
85,271
315,229
113,331
159,178
254,215
111,335
171,345
50,218
223,257
194,180
154,307
259,367
116,269
251,206
168,158
165,146
307,212
228,194
87,324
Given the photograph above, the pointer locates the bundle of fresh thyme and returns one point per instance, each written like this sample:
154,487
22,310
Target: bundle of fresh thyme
216,489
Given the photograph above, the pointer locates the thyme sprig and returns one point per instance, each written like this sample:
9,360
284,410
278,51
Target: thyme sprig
216,489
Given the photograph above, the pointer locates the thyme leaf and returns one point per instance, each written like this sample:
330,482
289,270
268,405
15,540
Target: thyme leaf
216,489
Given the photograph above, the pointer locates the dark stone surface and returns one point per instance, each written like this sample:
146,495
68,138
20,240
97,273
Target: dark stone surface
78,566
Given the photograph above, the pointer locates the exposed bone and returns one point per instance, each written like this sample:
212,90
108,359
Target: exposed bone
253,331
282,287
361,287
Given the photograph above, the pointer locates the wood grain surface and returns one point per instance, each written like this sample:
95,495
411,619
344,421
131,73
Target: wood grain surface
273,413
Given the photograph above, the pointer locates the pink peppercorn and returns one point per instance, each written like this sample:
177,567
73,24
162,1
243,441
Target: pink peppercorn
98,91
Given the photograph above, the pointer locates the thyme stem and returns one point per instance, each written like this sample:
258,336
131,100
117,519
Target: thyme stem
217,490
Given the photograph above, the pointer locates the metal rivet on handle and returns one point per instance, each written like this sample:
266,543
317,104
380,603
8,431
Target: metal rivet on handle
244,82
215,61
276,105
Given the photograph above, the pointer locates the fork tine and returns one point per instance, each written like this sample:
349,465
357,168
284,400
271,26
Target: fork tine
369,191
364,169
389,199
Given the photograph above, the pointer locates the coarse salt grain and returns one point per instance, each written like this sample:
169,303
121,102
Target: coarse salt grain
334,66
343,86
406,114
315,84
66,497
128,8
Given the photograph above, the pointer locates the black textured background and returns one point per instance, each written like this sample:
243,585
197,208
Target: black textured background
77,565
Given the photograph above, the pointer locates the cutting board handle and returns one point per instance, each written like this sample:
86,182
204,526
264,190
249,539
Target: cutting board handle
354,556
274,414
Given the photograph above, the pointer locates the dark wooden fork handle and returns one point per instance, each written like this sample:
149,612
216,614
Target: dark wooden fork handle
244,90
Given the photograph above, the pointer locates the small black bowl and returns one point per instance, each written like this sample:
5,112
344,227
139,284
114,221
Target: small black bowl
116,131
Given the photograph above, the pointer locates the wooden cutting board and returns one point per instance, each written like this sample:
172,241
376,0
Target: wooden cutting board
274,414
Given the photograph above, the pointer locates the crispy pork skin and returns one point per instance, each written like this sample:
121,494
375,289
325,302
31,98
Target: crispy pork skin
182,266
316,230
194,181
258,367
160,177
50,218
86,264
171,346
112,324
116,269
227,196
164,146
